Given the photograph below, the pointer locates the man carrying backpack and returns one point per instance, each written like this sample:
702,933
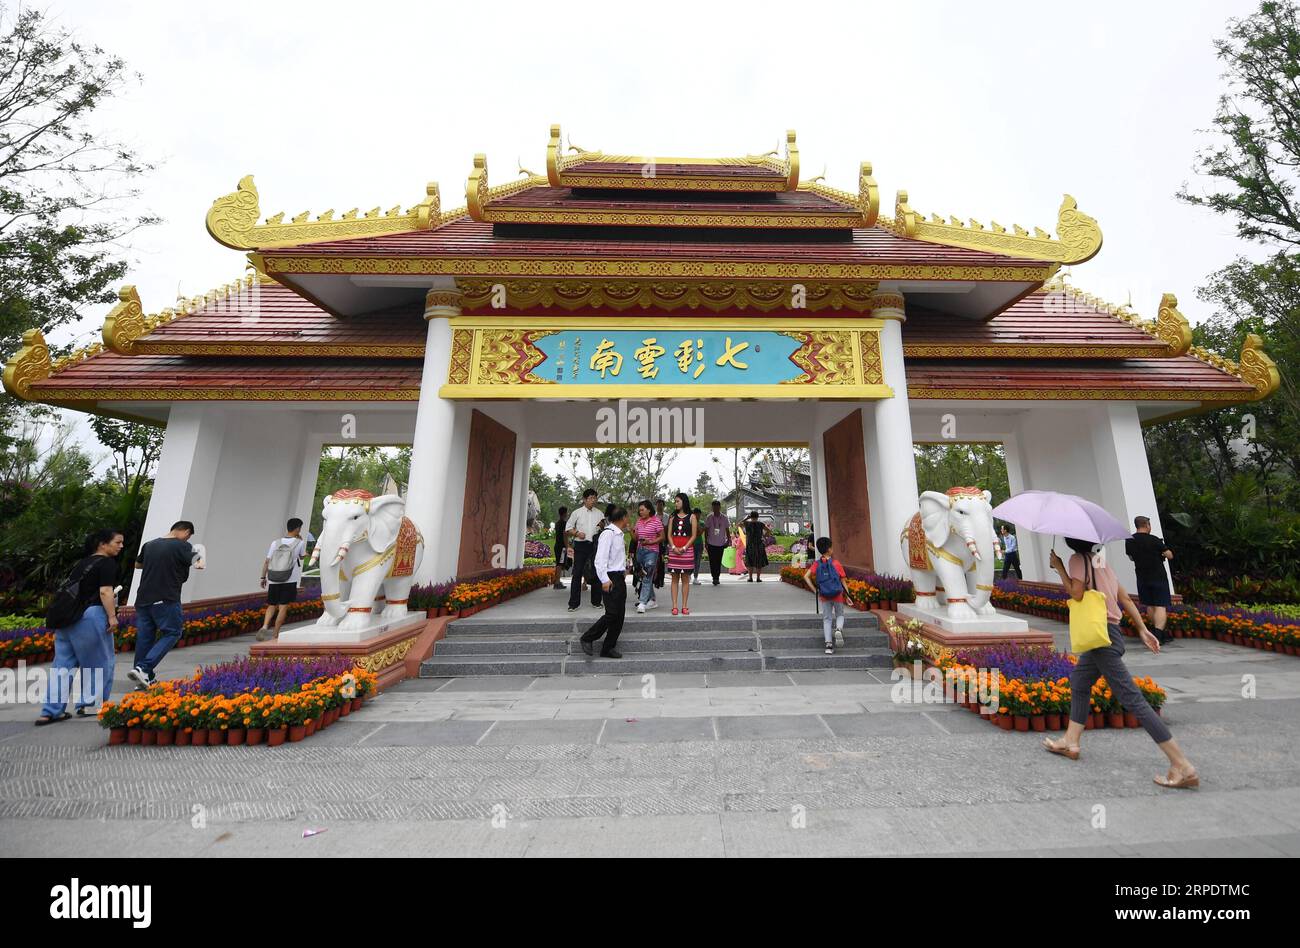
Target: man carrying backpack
281,573
831,590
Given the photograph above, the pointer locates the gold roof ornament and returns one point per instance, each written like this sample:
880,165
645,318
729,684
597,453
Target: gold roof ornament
1078,237
125,323
867,200
691,174
478,194
232,221
29,364
1256,368
1172,327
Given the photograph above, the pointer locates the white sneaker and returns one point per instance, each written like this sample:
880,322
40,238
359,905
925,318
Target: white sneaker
695,582
640,607
839,637
653,604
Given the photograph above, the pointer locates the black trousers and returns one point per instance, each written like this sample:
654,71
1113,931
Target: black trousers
584,567
1011,562
610,625
659,567
715,560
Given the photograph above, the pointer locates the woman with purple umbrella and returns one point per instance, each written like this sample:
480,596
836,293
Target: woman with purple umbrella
1072,517
1088,570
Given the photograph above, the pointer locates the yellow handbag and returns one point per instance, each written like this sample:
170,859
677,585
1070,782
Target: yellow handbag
1088,622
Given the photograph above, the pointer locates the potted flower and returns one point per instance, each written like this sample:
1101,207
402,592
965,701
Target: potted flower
113,717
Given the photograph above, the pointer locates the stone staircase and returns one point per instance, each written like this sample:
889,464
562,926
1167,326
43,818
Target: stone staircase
654,643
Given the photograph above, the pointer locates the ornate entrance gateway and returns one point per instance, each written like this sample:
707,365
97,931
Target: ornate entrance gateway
783,311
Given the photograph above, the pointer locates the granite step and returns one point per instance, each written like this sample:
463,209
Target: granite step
658,620
792,659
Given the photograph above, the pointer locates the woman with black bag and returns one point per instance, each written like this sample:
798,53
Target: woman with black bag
83,615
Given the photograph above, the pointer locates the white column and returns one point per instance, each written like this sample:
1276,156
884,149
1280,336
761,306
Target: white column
519,499
1124,477
1033,547
820,515
436,494
892,437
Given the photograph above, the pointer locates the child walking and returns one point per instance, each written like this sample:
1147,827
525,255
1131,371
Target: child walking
831,590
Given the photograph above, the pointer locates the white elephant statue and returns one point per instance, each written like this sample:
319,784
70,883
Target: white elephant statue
534,512
950,547
371,551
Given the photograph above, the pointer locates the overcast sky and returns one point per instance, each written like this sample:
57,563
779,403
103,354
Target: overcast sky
990,111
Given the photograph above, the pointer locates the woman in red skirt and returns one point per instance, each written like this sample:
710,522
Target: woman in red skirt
682,528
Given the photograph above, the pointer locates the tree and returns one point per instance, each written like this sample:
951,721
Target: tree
733,467
1228,482
941,466
364,466
552,492
61,178
704,489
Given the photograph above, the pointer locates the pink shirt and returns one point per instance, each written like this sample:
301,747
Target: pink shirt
648,531
1104,580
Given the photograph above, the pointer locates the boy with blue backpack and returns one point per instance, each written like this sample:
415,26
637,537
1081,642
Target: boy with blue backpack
831,590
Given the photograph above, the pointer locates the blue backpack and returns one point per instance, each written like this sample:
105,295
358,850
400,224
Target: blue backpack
828,579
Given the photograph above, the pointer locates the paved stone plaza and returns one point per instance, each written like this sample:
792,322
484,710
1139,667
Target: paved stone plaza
732,763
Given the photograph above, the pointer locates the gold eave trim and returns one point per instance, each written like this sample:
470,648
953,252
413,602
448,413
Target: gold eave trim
560,175
1078,235
830,220
64,396
668,296
560,393
159,347
232,221
1031,350
540,267
1097,394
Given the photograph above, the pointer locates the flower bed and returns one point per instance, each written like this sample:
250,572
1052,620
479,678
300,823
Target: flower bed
866,590
1033,688
247,701
536,549
36,644
466,598
1234,624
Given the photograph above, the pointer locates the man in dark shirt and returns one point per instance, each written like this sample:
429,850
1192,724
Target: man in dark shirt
1149,553
165,566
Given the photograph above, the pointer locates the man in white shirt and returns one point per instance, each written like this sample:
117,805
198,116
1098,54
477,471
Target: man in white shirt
281,574
611,559
583,528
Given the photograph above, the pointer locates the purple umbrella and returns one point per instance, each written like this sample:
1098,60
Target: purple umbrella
1046,511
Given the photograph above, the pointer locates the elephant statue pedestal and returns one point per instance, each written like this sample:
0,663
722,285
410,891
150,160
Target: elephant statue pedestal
998,623
334,635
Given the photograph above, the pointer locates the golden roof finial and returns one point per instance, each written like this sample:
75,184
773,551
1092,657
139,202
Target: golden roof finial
476,188
1256,368
1172,327
125,323
29,364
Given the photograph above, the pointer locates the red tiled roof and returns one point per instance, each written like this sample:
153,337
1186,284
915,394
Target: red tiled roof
109,376
268,315
674,169
1178,378
1038,324
698,202
475,240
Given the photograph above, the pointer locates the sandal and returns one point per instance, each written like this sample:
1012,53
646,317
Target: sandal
1190,782
674,610
46,719
1070,752
685,611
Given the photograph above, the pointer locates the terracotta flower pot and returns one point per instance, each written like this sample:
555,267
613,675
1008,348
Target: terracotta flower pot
1090,722
150,737
235,736
297,732
275,736
345,708
116,735
356,703
1003,721
216,736
134,735
1114,720
1098,719
183,737
255,735
1052,721
1131,719
167,737
1038,722
1020,722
